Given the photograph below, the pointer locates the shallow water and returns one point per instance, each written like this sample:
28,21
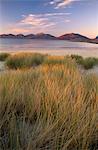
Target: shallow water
53,47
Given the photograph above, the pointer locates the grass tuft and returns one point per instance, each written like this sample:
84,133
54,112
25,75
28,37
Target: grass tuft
90,62
4,56
87,63
24,60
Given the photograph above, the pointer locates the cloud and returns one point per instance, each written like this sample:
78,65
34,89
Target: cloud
42,20
55,1
67,20
33,23
34,20
61,3
56,14
17,30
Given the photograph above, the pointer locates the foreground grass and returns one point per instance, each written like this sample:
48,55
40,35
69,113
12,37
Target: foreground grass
28,60
50,107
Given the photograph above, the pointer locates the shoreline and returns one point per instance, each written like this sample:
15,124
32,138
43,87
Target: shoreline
83,53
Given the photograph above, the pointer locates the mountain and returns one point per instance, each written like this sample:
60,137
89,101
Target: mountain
95,40
69,37
19,36
7,36
29,36
12,36
96,37
74,37
44,36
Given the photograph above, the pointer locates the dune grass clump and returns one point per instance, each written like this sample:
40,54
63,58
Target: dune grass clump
4,56
87,63
78,59
49,107
24,60
90,62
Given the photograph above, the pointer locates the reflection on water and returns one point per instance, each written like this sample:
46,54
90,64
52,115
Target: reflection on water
53,47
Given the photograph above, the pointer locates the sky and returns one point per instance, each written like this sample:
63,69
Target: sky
55,17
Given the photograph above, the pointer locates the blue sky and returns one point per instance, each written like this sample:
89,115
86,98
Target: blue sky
56,17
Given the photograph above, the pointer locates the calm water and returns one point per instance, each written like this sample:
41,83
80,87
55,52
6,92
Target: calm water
53,47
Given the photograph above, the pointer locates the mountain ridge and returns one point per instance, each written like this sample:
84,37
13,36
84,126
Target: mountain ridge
73,37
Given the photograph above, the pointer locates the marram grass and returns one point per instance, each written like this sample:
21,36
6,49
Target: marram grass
23,60
48,108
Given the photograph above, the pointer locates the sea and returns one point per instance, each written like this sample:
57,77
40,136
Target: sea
51,47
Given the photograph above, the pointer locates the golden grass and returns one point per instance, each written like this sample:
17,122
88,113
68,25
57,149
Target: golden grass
49,107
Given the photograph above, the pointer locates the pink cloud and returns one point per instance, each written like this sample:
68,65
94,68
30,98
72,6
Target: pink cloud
34,20
31,23
17,30
62,3
67,20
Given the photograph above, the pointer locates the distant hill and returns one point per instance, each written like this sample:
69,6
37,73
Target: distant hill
44,36
29,36
95,40
74,37
7,36
19,36
96,37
